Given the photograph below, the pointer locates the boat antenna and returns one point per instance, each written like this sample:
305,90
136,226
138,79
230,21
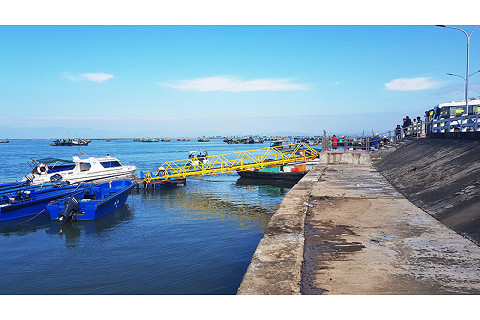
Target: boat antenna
31,164
80,151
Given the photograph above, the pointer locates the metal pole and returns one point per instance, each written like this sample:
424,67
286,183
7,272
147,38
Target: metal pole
468,53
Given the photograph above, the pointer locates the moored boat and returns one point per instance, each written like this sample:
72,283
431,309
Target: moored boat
4,141
293,172
203,140
198,157
79,170
29,202
92,202
5,187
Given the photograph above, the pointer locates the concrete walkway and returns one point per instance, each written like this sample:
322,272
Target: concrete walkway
361,237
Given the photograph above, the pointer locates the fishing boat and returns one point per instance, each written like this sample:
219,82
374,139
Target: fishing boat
146,140
203,140
91,202
292,172
79,170
281,144
198,157
4,141
71,142
29,202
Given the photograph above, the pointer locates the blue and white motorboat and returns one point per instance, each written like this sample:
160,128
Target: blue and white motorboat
92,202
28,201
79,170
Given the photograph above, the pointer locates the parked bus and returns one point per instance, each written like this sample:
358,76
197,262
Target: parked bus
453,117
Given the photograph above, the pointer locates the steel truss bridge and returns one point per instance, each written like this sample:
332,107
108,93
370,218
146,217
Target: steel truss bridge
232,162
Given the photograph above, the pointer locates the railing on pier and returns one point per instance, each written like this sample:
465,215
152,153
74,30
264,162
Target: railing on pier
233,162
467,123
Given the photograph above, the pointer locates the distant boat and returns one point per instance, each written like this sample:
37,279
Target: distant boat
165,140
4,141
29,201
92,202
71,142
146,140
281,144
245,140
203,140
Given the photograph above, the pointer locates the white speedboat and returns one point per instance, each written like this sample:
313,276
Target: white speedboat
78,170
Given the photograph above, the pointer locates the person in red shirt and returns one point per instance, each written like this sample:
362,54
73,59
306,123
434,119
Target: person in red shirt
334,142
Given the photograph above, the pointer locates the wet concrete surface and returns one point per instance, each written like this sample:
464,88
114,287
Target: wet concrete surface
276,265
372,240
346,230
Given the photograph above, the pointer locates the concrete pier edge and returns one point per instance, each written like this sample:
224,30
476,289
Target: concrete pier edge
371,240
276,265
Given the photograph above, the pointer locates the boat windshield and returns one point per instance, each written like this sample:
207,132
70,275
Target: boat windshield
53,161
111,164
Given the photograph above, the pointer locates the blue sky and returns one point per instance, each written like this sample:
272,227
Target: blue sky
134,81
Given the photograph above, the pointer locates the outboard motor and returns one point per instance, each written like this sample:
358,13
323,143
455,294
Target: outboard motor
69,212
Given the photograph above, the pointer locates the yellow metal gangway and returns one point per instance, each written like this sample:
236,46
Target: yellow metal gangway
233,162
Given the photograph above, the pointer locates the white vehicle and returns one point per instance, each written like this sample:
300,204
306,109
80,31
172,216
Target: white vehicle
79,170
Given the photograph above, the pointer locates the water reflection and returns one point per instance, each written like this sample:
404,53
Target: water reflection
212,205
24,226
72,231
270,187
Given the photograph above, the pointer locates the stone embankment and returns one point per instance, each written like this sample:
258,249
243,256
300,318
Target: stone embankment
344,229
440,176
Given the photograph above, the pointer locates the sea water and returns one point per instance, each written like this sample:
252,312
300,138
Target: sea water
195,239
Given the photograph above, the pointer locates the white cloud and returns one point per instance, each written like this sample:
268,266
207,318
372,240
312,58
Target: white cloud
232,84
95,77
412,84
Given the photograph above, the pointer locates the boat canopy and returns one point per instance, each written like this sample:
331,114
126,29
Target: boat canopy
54,160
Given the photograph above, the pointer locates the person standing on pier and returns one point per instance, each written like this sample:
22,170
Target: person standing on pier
375,141
398,132
334,142
407,122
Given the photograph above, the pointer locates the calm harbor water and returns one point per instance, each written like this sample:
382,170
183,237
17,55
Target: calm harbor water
196,239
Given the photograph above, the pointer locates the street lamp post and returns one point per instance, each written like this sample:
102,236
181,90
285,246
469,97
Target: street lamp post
456,75
466,74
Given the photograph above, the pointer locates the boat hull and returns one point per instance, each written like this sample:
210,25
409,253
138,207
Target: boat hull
289,176
91,209
73,178
33,206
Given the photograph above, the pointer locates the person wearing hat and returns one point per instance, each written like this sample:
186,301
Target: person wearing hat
375,141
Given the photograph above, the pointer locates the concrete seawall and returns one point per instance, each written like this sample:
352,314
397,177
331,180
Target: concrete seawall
343,229
440,176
